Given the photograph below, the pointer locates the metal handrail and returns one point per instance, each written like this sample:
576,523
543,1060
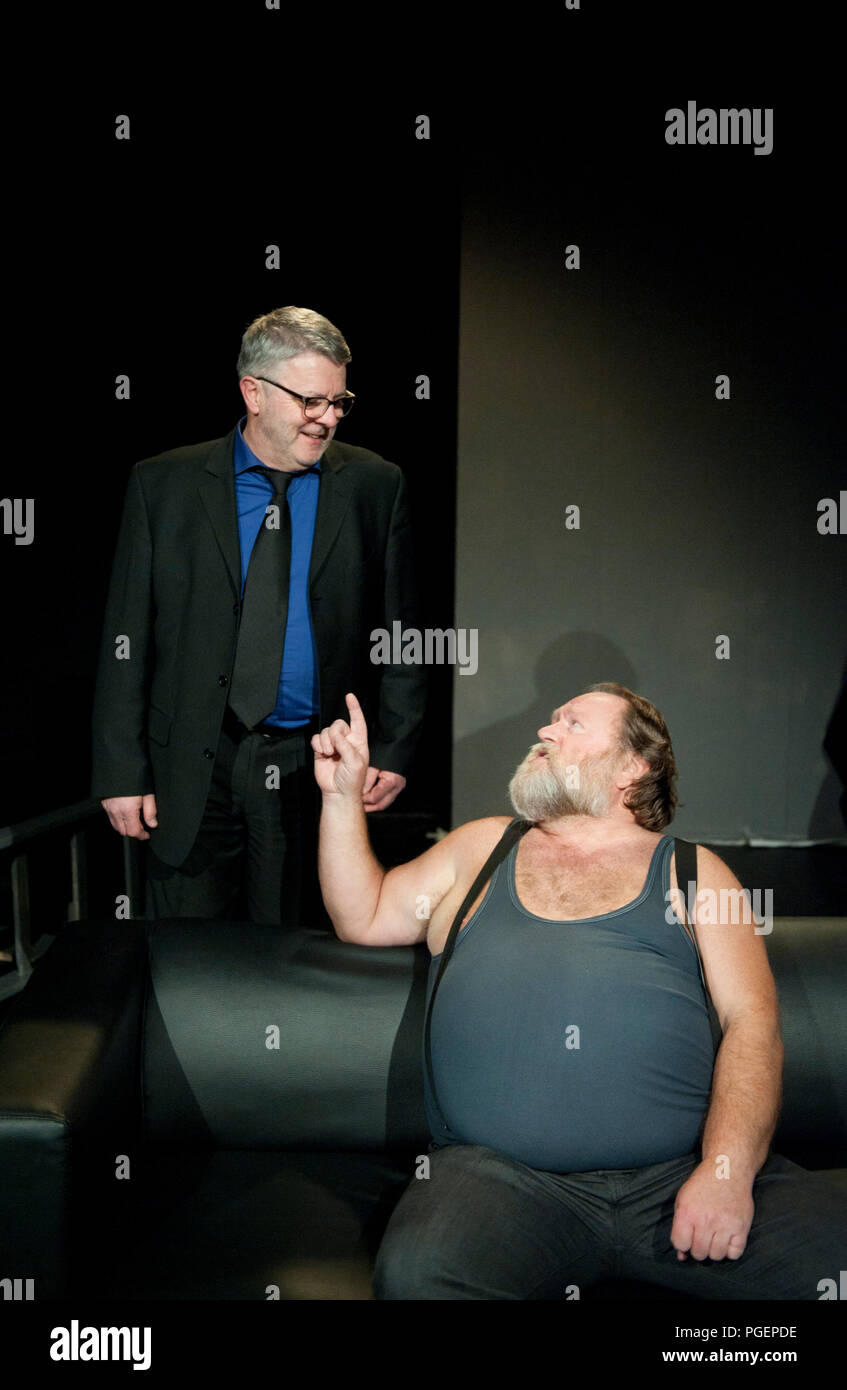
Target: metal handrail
75,818
59,819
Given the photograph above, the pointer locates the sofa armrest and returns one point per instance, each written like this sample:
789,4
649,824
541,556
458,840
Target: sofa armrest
69,1088
808,956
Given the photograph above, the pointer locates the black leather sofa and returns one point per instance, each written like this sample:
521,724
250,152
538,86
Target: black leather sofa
212,1110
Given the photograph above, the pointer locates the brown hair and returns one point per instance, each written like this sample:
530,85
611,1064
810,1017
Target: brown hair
652,799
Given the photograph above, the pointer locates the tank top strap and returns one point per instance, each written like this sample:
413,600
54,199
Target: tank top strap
659,875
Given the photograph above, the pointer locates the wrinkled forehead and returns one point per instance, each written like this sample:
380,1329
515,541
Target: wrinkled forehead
598,709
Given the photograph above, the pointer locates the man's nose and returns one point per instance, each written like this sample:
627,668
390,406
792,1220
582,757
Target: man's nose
545,735
330,411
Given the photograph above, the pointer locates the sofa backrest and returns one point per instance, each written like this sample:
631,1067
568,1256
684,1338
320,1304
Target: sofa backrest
255,1038
261,1039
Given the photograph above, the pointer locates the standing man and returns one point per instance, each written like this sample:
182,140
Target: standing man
248,576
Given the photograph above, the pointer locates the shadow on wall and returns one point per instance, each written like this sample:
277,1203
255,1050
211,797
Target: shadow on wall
483,762
829,815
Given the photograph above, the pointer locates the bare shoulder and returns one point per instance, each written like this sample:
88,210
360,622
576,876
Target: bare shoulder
712,872
476,834
711,877
729,933
466,848
459,848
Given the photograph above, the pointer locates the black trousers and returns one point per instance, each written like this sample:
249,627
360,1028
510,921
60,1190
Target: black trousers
255,855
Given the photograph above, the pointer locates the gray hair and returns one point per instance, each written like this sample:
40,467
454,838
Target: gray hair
284,333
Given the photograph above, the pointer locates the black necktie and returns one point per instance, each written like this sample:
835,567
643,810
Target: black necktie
261,635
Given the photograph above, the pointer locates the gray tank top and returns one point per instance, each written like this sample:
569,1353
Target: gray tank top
572,1046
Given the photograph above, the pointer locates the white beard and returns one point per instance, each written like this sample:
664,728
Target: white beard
539,792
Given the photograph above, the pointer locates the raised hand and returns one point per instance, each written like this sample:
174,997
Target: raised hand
341,754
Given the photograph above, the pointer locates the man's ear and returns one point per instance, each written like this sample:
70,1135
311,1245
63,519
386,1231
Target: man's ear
249,387
632,769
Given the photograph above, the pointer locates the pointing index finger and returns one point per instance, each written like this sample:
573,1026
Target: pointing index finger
358,727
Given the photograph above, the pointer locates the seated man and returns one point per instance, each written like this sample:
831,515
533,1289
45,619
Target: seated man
584,1125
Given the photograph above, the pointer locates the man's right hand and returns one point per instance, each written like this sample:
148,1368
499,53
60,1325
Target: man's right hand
341,754
130,814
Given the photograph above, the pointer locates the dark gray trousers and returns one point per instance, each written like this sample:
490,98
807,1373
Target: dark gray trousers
255,856
483,1226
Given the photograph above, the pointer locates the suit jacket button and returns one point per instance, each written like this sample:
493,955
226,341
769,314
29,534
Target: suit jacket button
207,753
223,680
235,608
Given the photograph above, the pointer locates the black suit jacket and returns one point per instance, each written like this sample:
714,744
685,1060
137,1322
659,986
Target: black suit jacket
172,618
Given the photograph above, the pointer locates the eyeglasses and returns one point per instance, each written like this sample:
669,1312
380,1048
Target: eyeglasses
316,406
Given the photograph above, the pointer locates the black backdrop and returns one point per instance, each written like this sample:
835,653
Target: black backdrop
158,267
251,127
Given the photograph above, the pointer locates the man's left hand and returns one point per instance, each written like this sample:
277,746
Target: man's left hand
381,788
712,1216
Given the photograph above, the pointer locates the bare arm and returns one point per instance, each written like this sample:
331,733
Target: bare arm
746,1086
715,1207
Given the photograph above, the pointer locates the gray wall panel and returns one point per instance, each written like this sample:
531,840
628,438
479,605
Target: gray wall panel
698,517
